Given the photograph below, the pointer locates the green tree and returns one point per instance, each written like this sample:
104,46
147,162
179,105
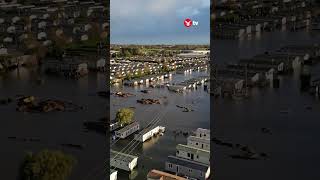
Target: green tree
47,165
125,116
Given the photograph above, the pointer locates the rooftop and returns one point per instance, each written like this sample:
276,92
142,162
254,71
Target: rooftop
126,128
115,155
194,150
187,163
155,174
198,139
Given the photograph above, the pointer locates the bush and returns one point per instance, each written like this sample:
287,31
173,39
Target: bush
47,165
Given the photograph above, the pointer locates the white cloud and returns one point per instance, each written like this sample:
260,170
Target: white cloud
154,17
187,12
155,8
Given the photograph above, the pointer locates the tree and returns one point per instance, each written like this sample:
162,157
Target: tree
47,165
125,116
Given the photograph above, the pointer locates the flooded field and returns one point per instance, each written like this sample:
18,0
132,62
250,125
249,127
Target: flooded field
153,153
53,128
291,116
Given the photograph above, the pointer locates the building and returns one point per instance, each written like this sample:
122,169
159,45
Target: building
123,161
203,133
193,153
160,175
66,67
127,130
188,168
113,174
177,88
198,142
148,133
114,125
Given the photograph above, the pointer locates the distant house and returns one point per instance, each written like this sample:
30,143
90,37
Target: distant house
87,27
42,24
47,43
42,36
198,142
123,161
32,17
184,167
160,175
3,51
193,153
66,67
127,130
11,29
8,40
15,19
84,37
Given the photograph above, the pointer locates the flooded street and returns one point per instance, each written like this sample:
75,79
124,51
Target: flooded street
153,153
53,128
292,144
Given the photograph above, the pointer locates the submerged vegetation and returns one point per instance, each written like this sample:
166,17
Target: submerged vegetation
47,165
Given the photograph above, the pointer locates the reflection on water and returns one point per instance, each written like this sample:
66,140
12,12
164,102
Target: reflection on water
149,143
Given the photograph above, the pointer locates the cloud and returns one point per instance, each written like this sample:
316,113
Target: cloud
187,11
141,19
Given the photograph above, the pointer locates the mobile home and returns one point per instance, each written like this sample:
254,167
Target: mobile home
198,142
188,168
127,130
193,153
148,133
203,133
123,161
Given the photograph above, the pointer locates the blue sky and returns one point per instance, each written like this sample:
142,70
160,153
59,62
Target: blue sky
159,21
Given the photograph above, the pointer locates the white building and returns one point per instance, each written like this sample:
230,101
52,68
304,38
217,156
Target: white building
184,167
123,161
84,37
193,153
127,130
113,174
42,36
148,133
198,142
203,133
